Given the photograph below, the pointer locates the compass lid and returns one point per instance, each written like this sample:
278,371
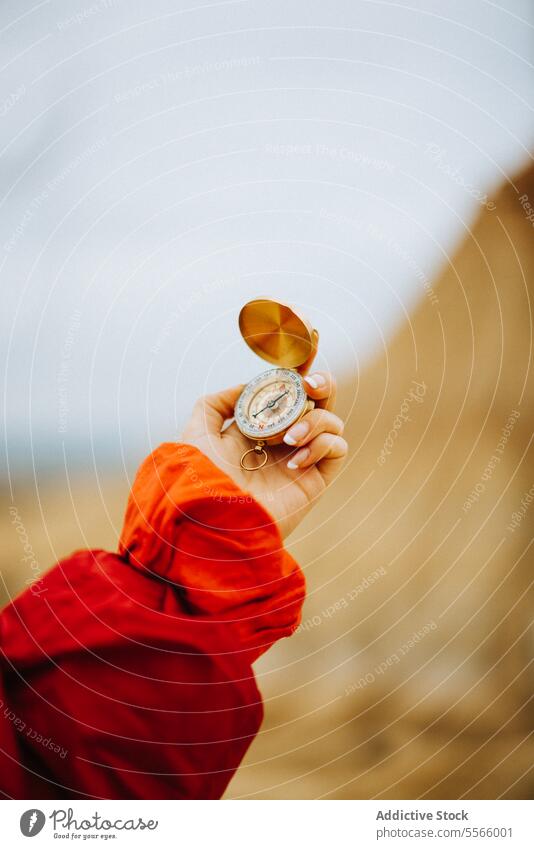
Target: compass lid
277,333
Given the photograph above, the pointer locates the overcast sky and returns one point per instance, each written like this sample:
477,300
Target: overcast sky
162,163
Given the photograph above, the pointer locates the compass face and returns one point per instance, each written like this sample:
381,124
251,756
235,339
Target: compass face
270,403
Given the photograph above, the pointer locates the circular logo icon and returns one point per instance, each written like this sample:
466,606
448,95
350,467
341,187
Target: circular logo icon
32,822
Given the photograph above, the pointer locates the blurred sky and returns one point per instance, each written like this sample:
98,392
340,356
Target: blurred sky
163,162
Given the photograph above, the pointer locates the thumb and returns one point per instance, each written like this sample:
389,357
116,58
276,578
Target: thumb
211,411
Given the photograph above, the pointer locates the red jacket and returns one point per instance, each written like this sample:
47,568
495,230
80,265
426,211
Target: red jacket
129,675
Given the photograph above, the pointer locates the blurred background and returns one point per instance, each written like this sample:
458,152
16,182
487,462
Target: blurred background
161,164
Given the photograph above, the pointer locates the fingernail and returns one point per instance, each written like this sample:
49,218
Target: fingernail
296,433
315,381
298,458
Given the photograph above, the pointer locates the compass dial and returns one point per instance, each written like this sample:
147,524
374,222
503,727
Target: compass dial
270,403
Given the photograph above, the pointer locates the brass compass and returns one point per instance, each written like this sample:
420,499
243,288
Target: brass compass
274,400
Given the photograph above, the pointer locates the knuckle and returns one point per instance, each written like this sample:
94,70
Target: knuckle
331,384
332,444
323,443
313,419
329,422
205,404
320,422
338,423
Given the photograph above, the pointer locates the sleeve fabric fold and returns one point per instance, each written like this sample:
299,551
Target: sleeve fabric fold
129,675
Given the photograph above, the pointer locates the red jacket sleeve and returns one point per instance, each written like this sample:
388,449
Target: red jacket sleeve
129,675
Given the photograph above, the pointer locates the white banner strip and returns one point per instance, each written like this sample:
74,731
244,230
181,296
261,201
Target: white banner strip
269,824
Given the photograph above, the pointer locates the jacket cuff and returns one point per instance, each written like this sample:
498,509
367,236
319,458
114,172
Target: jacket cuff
192,525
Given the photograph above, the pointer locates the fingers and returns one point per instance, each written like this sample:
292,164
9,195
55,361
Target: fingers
318,435
321,386
328,451
311,425
211,411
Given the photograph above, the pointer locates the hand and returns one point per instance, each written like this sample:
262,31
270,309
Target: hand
297,472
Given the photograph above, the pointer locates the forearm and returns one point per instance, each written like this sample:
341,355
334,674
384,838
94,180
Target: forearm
137,665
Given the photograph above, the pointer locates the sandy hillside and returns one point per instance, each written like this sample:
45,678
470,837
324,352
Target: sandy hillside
411,674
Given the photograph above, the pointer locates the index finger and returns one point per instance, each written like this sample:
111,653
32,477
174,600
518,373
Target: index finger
321,386
213,410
